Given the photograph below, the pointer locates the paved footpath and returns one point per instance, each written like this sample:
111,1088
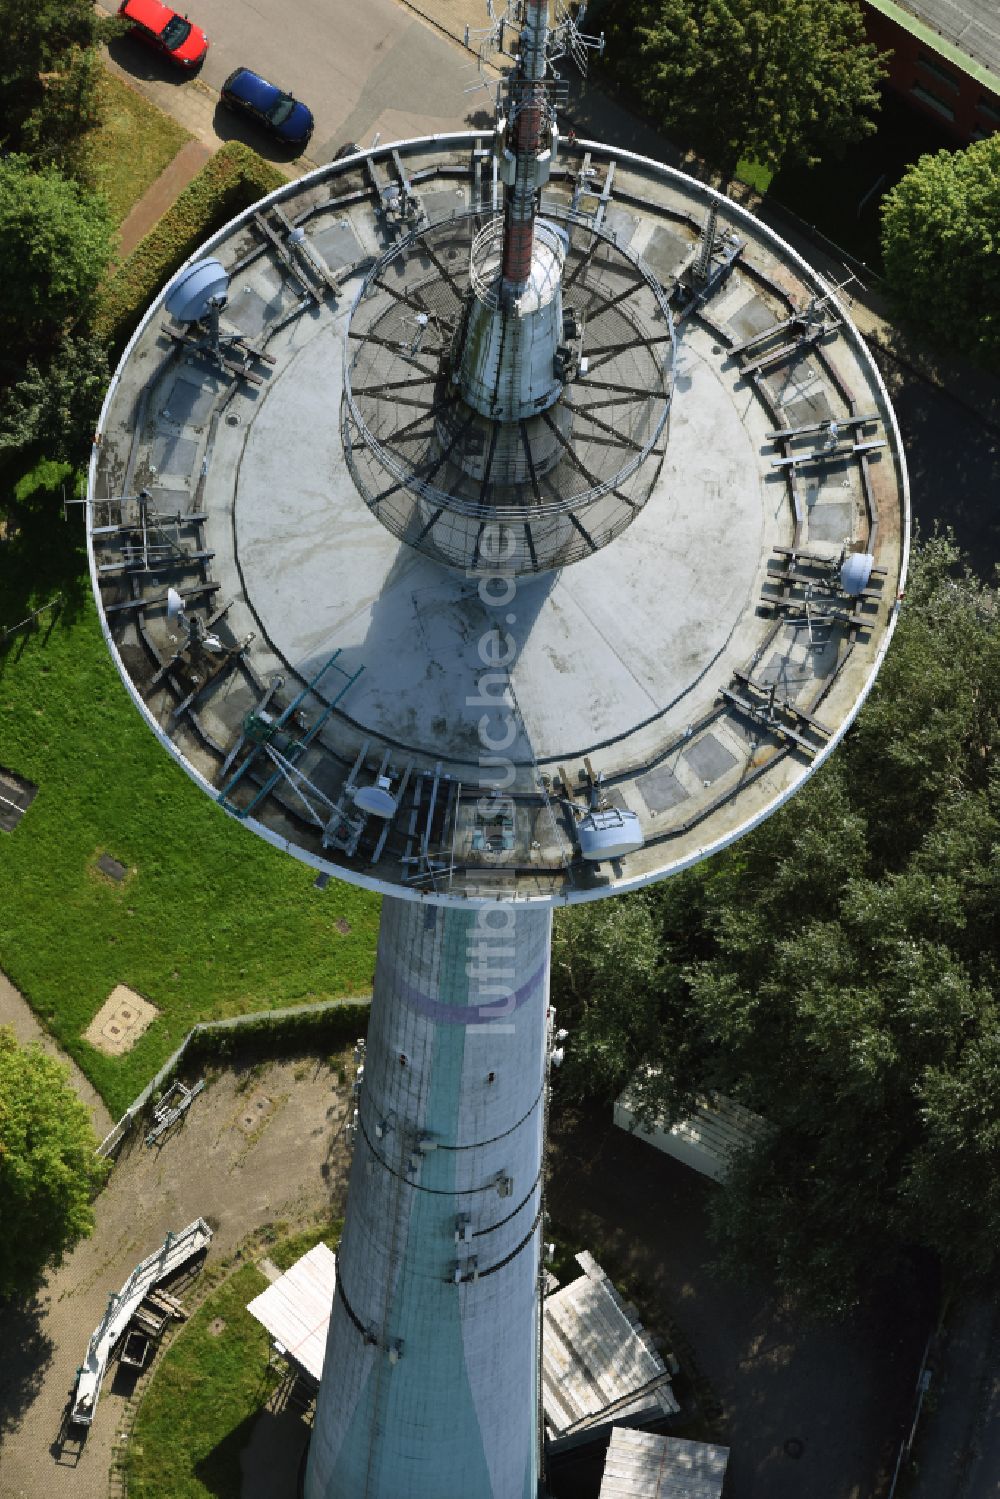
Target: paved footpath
18,1014
162,193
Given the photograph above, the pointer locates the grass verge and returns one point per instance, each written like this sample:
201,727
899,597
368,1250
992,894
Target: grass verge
289,1250
132,145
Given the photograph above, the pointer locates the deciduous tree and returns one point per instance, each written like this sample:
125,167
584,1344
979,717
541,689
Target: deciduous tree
779,81
837,971
48,1169
941,246
55,245
47,68
53,408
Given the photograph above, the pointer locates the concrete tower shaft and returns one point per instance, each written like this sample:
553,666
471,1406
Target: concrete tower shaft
430,1386
507,370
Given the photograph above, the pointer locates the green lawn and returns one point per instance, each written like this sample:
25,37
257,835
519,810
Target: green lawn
198,1412
289,1250
131,146
210,920
196,1416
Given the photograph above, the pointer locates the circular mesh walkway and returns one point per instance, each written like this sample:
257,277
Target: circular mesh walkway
553,488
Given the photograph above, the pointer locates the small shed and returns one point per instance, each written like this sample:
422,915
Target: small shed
598,1362
295,1309
642,1465
707,1141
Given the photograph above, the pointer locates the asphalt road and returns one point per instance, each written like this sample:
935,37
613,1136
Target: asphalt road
361,65
957,1451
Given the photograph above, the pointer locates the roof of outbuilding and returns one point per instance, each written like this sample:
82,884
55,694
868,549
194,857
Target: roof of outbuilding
642,1465
295,1309
965,31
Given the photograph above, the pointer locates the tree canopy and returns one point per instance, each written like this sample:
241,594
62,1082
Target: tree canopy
837,971
48,71
941,246
778,81
53,409
48,1169
55,245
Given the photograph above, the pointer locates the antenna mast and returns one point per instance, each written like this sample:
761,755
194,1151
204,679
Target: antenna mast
524,164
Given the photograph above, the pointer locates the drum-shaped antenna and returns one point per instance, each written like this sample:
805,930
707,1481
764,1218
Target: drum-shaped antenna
855,572
609,834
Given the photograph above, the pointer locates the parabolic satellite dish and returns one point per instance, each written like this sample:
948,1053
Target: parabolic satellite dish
196,289
376,801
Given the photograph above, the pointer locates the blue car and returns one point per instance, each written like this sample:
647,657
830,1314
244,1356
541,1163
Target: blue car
284,116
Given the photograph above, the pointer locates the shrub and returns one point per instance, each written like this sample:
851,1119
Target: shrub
235,178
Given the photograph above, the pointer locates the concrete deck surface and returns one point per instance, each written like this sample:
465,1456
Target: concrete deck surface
617,656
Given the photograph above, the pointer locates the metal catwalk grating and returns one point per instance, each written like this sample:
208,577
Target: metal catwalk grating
559,484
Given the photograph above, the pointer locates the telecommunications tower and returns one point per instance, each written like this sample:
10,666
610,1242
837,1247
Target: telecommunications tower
419,591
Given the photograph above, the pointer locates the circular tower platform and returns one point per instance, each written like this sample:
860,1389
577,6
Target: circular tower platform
484,699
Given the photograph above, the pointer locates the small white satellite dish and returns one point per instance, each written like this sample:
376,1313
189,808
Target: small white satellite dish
196,290
855,572
376,801
175,605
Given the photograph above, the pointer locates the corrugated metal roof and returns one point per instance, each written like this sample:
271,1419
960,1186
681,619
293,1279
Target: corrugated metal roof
597,1360
966,31
641,1465
717,1130
296,1308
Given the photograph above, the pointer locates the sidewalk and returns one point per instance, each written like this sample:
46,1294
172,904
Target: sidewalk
18,1014
160,194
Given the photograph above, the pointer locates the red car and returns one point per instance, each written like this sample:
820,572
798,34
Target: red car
177,37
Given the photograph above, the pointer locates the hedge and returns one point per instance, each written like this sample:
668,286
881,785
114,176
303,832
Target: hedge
268,1036
230,182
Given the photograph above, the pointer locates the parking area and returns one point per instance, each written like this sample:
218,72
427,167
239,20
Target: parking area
374,68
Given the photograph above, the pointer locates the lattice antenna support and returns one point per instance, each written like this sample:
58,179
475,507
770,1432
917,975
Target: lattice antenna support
501,38
566,39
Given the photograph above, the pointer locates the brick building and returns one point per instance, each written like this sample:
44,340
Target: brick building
946,59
